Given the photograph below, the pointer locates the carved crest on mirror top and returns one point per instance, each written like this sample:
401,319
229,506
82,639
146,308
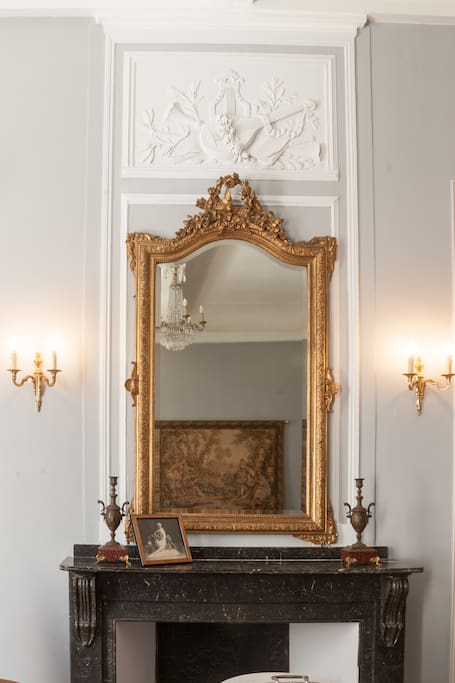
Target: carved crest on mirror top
223,218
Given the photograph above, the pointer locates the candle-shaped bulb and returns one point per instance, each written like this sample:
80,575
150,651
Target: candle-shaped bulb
185,307
449,365
412,351
201,312
13,360
54,360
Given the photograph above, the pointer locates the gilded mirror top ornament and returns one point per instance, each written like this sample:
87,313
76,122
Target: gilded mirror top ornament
220,214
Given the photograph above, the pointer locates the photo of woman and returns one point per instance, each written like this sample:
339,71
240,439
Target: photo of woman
161,539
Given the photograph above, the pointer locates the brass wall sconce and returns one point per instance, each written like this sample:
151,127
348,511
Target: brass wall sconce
417,381
39,378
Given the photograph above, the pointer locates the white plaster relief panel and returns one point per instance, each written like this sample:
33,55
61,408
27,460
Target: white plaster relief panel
206,113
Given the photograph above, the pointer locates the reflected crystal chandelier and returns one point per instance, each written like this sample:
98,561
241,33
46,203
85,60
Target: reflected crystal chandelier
177,330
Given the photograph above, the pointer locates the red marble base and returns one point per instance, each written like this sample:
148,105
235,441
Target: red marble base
113,552
359,554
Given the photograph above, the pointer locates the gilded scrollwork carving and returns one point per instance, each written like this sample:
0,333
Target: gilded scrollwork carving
84,608
331,389
394,594
223,217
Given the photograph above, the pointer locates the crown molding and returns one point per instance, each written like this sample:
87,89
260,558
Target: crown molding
247,26
429,20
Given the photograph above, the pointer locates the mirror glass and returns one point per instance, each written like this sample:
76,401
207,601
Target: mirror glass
231,406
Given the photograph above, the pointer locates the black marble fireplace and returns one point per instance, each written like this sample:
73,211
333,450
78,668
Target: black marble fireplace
234,600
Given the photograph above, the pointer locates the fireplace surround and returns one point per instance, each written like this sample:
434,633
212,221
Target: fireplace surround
255,588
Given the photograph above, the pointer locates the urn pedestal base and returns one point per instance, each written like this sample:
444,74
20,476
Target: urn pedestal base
359,554
113,552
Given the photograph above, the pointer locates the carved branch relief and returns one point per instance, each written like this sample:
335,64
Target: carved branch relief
221,113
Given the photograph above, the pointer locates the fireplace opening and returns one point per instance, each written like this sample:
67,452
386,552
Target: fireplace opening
212,652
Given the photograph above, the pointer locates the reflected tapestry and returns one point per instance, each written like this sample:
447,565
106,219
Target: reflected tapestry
222,466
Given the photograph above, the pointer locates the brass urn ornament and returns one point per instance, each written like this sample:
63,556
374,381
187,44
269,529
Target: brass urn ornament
358,552
113,551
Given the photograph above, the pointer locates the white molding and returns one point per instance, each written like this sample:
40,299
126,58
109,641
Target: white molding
317,175
124,365
452,619
132,28
419,19
175,199
327,171
248,26
105,369
353,275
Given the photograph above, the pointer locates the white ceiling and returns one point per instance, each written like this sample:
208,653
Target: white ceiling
247,295
389,10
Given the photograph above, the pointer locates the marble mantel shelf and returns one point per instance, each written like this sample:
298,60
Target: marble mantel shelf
238,585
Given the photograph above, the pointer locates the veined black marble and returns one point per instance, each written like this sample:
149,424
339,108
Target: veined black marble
238,586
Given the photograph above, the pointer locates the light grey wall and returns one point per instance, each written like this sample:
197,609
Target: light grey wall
48,68
241,381
407,292
50,136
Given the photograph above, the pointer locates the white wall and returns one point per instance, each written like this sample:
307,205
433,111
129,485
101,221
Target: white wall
51,266
48,215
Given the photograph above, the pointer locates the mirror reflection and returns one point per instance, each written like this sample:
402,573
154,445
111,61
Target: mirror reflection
230,382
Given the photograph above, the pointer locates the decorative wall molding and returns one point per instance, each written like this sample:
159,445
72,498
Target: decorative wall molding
425,19
353,275
262,114
284,30
452,620
231,26
105,365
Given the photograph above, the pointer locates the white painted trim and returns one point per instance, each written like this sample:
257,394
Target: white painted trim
128,123
85,333
335,364
124,367
248,26
307,201
352,255
318,175
129,169
332,117
119,27
452,619
106,278
420,19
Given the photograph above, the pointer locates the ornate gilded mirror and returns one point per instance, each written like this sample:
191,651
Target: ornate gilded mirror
232,382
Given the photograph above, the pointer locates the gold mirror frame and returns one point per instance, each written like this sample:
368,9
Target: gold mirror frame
222,219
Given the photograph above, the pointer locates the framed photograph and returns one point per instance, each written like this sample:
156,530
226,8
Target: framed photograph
161,539
218,466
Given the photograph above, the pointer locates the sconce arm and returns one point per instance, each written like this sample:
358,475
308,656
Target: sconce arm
21,382
50,382
417,382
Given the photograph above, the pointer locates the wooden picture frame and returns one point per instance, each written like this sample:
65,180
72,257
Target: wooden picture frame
161,539
222,466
